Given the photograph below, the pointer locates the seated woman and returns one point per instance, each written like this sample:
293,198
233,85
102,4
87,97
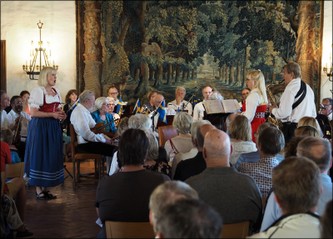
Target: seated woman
128,201
240,137
112,106
182,143
104,120
157,159
310,121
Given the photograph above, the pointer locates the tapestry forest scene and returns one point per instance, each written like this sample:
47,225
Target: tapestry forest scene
144,45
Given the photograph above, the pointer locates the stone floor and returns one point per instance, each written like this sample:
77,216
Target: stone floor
71,215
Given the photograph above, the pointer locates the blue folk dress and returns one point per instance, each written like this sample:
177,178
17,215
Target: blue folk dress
44,149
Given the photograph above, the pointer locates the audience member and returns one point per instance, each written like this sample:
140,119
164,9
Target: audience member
270,143
131,187
190,167
198,112
83,123
182,143
240,136
306,130
188,218
291,148
296,182
254,156
234,195
4,103
256,102
326,222
168,193
25,95
310,121
44,162
319,151
179,104
296,101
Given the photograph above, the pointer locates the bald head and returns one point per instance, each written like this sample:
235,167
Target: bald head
216,148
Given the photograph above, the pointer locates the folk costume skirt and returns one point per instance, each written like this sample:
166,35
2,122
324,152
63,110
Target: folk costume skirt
44,153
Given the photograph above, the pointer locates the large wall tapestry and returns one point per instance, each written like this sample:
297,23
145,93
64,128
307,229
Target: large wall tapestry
145,45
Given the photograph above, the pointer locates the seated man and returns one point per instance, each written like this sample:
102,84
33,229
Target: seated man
270,143
188,218
319,151
124,196
83,123
234,195
193,166
179,104
4,103
18,122
296,182
324,117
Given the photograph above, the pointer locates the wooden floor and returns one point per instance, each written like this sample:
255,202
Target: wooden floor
71,215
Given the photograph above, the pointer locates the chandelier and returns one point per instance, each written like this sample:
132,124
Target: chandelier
38,57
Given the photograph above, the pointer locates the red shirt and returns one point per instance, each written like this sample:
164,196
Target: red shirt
5,155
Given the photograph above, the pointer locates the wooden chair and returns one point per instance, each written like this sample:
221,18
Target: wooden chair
78,157
165,133
129,229
235,230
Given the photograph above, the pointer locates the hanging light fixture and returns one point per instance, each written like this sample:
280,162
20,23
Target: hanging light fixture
36,63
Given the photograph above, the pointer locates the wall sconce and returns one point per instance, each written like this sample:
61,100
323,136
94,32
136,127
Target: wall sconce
36,63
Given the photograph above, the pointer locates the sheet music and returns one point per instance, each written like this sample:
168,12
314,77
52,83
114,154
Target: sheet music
224,106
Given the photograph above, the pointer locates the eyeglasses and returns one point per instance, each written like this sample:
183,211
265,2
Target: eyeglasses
324,106
113,93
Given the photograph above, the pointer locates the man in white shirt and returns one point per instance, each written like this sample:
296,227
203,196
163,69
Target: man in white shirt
82,121
179,104
18,122
296,101
198,112
4,103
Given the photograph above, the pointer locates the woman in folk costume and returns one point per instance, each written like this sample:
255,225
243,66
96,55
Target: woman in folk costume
256,101
44,150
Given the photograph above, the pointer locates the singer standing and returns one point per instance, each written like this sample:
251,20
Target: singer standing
179,104
44,150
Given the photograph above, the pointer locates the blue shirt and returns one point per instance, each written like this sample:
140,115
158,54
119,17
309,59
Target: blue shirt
109,121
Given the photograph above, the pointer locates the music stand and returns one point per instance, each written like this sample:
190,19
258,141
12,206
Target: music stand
218,120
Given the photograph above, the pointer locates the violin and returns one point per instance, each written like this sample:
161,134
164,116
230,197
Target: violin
100,128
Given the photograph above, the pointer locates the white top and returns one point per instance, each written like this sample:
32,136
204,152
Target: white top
294,226
198,112
37,97
4,119
253,100
306,108
12,115
184,105
82,121
182,143
241,147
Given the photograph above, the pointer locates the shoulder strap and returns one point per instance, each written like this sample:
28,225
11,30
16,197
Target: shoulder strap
302,91
173,147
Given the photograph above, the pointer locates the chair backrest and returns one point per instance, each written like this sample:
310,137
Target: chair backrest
235,230
129,229
15,170
165,133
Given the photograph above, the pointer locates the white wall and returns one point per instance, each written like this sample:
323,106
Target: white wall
326,85
19,27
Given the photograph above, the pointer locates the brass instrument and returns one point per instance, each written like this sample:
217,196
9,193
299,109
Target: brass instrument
276,88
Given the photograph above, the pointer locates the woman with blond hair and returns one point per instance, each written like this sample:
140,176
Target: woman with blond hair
240,137
44,150
256,102
310,121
